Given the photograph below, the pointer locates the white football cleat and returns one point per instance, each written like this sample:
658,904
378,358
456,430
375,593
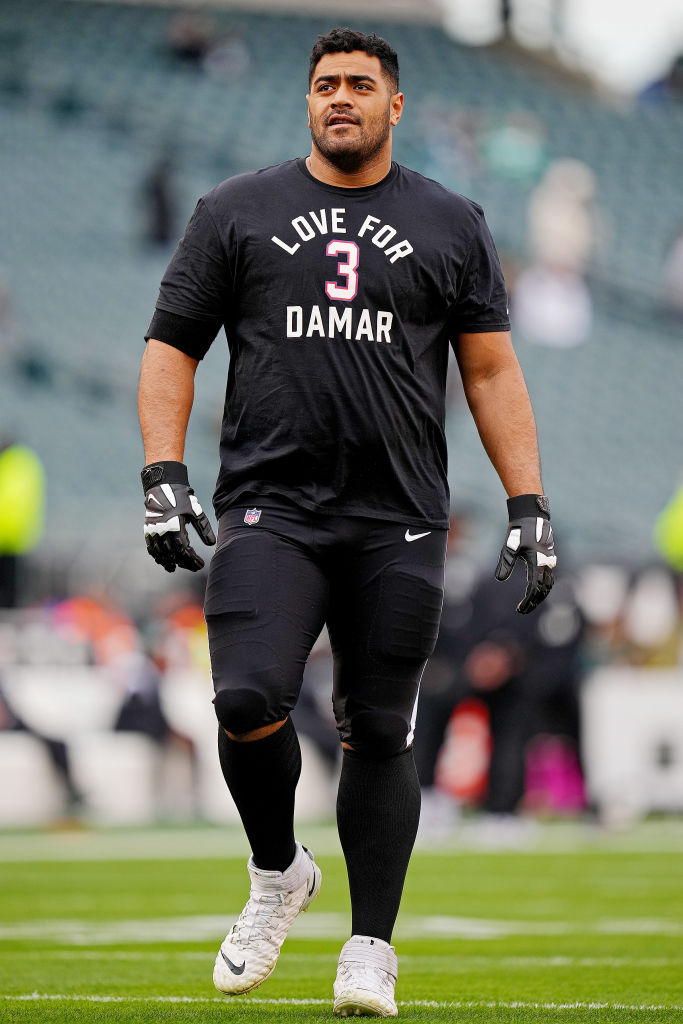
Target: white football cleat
366,977
250,950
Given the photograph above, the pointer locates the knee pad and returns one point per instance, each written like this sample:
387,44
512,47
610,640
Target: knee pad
378,735
240,710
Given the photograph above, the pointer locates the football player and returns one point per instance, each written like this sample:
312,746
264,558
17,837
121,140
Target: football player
340,279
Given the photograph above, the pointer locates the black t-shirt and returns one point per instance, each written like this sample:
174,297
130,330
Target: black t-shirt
338,305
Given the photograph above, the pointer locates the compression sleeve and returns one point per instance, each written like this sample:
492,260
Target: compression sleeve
193,337
481,304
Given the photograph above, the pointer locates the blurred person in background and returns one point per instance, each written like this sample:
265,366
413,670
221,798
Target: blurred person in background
441,686
142,711
22,515
341,279
57,751
313,715
551,301
160,202
519,676
189,37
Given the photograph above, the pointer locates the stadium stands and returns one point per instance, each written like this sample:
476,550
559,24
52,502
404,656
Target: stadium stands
90,95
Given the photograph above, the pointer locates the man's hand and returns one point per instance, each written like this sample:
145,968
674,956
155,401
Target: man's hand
170,503
529,537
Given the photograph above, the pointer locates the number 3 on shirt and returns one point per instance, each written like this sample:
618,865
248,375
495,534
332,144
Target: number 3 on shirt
346,269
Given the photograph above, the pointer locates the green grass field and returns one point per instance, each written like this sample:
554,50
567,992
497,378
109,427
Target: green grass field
124,925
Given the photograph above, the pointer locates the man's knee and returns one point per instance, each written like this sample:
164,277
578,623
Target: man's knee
378,735
241,710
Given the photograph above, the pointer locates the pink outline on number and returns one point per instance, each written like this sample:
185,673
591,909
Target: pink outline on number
350,269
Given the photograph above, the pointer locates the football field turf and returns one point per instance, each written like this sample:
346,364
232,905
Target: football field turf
123,926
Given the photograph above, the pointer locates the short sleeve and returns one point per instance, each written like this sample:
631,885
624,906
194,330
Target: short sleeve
195,290
481,302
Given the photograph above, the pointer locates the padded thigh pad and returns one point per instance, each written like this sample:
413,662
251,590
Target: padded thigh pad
239,602
264,608
237,572
406,621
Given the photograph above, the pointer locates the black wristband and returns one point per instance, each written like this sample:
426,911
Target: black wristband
524,505
164,473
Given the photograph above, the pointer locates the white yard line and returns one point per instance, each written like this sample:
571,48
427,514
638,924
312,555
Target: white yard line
210,928
453,961
432,1004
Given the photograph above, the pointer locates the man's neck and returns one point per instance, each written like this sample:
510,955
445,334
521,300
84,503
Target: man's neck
369,174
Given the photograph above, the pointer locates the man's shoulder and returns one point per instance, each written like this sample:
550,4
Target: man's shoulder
251,186
444,200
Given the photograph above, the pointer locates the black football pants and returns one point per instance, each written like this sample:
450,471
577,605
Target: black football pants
378,586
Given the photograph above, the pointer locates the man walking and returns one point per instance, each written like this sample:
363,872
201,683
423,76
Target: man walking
341,279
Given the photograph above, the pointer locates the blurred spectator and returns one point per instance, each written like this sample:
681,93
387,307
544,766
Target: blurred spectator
633,617
563,221
160,203
313,716
514,677
142,711
450,143
95,619
602,592
180,641
651,619
56,749
552,307
164,646
22,501
551,301
189,36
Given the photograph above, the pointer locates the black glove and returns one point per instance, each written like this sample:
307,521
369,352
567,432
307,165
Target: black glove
170,503
529,537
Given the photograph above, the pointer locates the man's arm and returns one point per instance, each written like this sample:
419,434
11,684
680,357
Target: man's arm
165,400
500,405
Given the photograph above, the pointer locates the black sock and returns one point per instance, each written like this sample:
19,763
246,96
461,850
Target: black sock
262,777
378,811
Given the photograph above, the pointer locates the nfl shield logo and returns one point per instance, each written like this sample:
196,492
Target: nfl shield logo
252,516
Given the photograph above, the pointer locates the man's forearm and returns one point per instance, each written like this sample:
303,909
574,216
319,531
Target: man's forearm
165,400
501,409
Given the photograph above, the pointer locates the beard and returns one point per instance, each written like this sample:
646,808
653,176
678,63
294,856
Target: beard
350,155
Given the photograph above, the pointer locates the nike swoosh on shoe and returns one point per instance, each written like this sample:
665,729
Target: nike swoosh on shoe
233,967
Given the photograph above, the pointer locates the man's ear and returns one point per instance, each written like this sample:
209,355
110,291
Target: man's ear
396,105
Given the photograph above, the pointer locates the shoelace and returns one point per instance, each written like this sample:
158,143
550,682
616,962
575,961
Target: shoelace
255,923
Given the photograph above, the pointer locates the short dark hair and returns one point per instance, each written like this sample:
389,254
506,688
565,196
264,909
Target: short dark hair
346,40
